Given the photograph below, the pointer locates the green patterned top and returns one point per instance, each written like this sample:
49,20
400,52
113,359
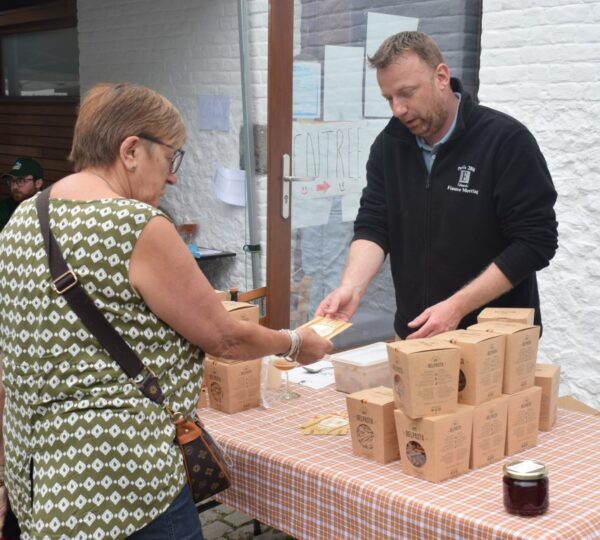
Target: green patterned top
100,454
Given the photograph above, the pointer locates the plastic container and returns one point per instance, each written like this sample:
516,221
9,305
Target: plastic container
362,368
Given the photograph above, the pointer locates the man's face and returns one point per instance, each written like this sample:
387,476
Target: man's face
415,92
23,187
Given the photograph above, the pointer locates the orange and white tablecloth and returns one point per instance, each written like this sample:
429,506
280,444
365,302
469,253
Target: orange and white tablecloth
313,487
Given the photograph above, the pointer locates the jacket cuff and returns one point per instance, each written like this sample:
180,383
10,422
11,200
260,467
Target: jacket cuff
519,261
371,237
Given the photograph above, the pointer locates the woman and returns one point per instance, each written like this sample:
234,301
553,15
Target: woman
87,455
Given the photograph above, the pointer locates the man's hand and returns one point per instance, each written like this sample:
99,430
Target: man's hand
339,304
446,315
436,319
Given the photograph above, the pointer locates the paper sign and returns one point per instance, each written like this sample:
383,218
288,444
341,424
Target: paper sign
306,102
343,83
213,113
230,185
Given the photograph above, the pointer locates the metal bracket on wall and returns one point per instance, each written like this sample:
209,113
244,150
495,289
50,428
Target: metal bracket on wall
287,179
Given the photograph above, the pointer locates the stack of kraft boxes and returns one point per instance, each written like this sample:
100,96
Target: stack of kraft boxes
233,385
458,401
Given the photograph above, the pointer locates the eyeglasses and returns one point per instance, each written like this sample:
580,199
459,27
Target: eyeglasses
177,156
18,180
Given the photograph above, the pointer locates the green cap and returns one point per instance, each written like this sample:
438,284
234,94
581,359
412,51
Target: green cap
26,167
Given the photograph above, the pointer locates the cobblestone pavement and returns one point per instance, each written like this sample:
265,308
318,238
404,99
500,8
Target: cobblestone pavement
224,523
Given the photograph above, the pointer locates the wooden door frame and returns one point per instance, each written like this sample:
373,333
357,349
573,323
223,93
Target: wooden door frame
279,142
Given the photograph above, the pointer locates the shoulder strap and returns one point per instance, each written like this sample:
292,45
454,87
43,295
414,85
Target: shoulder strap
66,284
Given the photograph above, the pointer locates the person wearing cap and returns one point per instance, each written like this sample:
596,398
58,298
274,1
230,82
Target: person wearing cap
24,180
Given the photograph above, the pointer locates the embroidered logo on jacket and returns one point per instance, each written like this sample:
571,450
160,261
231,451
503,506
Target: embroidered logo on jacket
464,177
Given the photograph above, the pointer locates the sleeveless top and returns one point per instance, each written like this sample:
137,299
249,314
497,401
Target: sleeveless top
87,454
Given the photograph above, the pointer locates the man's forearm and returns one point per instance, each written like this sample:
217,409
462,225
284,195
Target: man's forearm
490,284
364,261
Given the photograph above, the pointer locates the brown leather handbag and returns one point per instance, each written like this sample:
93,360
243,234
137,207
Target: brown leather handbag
206,465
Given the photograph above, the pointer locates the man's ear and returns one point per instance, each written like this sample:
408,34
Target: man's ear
442,76
39,184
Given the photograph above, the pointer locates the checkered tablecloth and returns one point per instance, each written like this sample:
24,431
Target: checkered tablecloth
313,487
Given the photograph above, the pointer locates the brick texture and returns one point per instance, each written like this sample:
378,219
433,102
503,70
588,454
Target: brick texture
539,64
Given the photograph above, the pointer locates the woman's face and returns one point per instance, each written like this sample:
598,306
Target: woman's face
153,172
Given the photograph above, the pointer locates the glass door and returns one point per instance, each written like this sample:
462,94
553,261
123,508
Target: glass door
335,112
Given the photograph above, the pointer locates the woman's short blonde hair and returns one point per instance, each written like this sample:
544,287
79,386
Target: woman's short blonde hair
394,46
111,112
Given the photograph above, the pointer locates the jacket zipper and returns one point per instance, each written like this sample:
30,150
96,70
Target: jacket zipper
428,231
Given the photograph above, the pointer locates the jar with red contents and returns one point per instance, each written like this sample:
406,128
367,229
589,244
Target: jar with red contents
525,488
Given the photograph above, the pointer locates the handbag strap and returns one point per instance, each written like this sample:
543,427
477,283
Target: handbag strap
66,284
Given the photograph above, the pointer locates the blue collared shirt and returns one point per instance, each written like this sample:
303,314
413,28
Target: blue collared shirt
428,151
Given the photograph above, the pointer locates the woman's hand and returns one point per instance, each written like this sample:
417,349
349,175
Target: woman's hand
313,348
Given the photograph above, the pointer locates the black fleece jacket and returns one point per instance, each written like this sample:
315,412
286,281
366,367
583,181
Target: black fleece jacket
489,198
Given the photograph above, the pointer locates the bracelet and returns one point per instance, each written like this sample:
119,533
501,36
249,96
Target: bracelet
295,344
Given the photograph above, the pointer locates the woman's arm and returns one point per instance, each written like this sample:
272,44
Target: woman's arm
167,277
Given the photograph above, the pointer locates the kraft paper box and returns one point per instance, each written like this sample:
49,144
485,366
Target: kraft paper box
203,399
481,364
242,310
222,295
523,420
372,426
233,385
424,376
519,315
547,377
489,432
435,448
520,354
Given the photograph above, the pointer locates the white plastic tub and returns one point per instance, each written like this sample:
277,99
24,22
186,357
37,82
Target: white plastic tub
361,368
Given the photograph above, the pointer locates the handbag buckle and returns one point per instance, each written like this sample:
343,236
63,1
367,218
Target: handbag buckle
150,386
65,282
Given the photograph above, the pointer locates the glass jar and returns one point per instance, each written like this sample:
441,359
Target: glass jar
525,488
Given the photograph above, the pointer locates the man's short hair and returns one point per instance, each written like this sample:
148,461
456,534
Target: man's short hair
395,46
25,167
111,112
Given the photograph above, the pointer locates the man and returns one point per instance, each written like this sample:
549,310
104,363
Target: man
457,194
24,180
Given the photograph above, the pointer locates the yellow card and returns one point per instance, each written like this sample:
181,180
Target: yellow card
326,327
327,424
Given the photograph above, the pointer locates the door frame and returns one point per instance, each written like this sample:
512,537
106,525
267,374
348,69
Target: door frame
279,142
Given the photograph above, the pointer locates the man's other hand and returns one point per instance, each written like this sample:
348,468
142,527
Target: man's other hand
436,319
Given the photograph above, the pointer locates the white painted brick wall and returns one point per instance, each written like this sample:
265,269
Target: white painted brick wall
184,49
539,63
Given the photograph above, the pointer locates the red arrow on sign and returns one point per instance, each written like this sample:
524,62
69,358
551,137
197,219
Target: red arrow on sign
323,187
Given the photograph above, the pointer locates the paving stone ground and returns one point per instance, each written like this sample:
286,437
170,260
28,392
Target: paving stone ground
224,523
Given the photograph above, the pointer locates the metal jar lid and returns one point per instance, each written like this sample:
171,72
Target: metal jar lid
525,470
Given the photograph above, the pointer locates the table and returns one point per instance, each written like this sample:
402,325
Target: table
209,254
313,487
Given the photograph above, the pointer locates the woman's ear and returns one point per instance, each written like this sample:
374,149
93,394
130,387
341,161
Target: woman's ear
129,152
